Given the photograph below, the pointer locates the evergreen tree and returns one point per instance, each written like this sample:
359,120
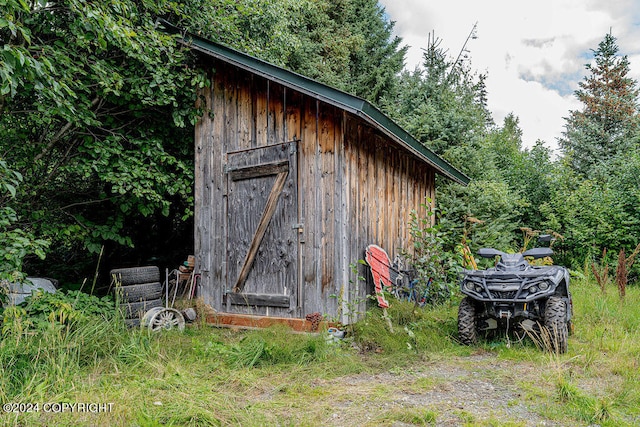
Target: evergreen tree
347,44
608,122
379,59
441,104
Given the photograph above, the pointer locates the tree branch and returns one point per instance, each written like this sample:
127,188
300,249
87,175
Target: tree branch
88,202
59,135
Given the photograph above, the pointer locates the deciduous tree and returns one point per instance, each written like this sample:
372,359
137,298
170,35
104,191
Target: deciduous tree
98,103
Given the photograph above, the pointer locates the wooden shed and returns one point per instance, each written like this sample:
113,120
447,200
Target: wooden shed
293,180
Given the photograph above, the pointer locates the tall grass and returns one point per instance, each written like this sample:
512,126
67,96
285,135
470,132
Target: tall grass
598,380
415,331
276,346
208,376
45,361
150,376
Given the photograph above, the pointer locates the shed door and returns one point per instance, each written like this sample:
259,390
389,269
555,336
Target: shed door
262,224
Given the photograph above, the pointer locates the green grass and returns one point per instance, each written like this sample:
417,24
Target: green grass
411,416
209,376
598,380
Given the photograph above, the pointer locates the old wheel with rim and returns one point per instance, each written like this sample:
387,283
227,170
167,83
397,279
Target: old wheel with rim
160,318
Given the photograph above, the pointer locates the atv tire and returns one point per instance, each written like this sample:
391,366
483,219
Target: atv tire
467,322
555,321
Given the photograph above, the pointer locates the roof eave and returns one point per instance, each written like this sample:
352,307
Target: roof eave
348,102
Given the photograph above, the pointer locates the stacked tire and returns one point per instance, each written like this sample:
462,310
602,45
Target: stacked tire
138,290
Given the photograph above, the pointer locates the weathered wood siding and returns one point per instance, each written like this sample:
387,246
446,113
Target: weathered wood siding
384,185
352,185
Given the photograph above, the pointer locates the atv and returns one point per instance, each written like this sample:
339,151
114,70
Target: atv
517,296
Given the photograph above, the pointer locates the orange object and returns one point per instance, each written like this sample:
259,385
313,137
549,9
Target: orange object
379,262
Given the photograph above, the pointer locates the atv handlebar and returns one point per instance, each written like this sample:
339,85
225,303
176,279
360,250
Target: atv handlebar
534,253
489,253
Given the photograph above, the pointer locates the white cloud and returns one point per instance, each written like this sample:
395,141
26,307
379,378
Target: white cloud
534,54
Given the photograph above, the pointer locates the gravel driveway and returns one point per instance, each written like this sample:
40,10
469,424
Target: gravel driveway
473,390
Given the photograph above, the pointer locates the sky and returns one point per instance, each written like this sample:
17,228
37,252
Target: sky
534,54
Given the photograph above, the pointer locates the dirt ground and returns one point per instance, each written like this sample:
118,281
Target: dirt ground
475,390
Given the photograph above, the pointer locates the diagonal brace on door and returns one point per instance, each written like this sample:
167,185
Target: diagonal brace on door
269,210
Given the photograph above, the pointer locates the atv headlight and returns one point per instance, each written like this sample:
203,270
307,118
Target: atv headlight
544,286
469,286
533,289
478,288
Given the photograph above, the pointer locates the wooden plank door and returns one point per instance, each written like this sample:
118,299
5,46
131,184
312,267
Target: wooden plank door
262,224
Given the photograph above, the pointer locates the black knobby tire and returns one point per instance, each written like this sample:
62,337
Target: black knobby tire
467,322
135,275
137,309
141,292
555,321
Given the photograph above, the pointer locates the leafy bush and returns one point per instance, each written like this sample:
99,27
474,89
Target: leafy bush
435,261
61,310
67,306
16,243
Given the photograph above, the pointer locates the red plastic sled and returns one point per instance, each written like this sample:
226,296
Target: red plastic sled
380,265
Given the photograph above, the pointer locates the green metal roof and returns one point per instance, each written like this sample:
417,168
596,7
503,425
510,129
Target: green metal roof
323,92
